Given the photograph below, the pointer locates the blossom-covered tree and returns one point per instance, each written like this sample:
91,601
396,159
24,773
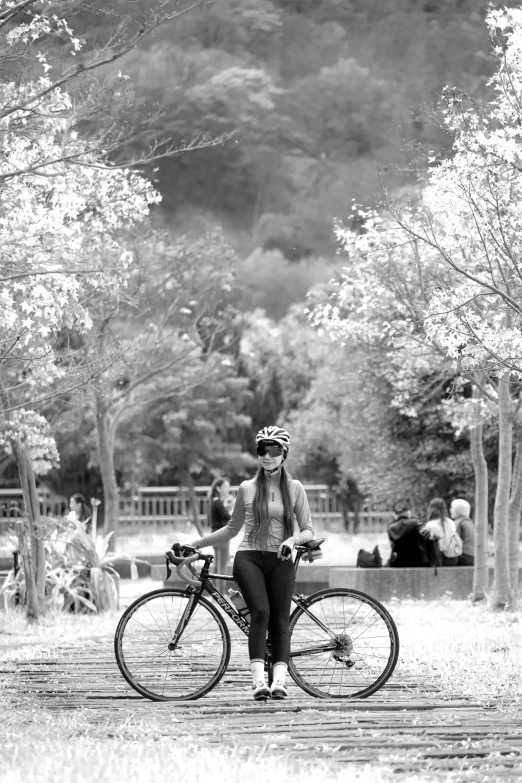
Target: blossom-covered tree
66,198
380,302
471,217
58,247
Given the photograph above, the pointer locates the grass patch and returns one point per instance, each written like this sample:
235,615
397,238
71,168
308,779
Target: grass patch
20,642
148,760
462,647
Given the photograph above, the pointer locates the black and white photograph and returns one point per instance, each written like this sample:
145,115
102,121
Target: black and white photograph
260,391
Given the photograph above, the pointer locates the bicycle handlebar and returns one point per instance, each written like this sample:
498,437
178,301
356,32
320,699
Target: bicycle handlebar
184,564
181,563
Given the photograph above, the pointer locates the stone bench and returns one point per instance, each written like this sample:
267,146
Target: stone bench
419,583
381,583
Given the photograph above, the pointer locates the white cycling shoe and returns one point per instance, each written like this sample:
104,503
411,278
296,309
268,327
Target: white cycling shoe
260,691
278,690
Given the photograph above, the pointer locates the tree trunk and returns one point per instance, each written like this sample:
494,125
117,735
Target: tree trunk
32,612
480,467
36,562
515,509
108,474
502,595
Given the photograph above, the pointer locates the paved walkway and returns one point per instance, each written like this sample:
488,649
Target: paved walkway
408,726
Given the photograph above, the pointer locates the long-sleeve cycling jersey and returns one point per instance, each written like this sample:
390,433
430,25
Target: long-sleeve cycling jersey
243,517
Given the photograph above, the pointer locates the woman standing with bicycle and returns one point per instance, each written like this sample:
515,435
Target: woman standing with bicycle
263,568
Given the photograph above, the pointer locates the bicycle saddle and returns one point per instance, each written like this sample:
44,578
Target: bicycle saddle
315,544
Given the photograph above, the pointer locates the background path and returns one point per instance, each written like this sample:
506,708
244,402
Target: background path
409,726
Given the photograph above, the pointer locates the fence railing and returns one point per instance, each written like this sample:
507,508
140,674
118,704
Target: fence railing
155,508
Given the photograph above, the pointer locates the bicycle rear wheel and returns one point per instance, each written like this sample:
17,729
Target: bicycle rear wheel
346,647
155,667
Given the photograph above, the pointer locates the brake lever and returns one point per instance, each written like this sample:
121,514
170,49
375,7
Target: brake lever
169,571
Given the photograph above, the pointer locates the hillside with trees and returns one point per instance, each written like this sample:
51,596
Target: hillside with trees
322,99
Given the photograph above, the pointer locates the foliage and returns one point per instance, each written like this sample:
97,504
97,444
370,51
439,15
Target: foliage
471,215
80,573
189,440
59,245
273,283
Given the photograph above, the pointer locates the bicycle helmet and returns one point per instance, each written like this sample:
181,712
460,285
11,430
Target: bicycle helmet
274,434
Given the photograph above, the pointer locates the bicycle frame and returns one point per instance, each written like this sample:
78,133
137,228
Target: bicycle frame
231,611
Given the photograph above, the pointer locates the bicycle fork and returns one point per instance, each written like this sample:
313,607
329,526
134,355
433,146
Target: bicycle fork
184,619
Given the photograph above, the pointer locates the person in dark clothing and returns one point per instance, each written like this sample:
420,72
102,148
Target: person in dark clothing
218,517
406,543
409,549
459,512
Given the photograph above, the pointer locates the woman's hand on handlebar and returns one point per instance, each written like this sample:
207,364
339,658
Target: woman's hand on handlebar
183,550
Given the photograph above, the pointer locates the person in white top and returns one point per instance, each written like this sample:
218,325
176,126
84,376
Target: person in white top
266,507
441,527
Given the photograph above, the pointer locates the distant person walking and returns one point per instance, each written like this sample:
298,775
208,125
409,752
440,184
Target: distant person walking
460,511
219,516
80,511
443,529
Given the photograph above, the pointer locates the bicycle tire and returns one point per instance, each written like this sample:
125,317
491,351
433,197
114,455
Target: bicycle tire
346,661
187,672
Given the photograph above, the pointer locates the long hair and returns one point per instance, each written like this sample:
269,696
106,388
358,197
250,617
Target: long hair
85,513
213,494
438,509
259,533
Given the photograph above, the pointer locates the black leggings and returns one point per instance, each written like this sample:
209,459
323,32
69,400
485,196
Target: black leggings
267,584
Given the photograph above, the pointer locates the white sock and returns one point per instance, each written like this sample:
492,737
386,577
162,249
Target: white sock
257,667
279,672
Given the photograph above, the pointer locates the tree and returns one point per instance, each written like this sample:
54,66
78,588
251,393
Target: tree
50,222
381,302
169,330
62,199
471,216
63,195
189,439
33,43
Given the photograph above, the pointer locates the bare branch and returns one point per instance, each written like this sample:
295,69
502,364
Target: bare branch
9,13
83,68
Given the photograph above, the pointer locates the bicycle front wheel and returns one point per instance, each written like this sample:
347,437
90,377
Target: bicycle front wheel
159,669
343,645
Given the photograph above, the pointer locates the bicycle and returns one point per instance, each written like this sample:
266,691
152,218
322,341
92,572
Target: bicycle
173,644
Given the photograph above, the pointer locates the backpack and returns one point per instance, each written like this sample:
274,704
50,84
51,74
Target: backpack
369,559
451,547
451,543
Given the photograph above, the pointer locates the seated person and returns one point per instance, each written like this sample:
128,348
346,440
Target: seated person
408,548
459,512
442,529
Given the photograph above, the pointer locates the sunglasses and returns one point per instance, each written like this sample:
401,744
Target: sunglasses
274,450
